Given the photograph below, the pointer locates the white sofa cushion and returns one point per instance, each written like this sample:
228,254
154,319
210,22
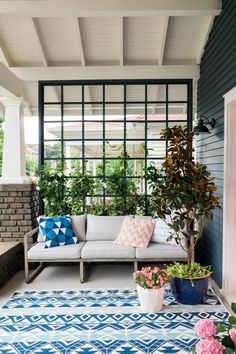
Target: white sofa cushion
104,228
106,249
161,251
78,223
63,252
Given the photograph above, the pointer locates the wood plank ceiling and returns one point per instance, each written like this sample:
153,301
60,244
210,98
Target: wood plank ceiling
65,39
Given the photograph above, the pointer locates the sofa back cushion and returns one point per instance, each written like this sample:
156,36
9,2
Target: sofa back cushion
104,228
162,231
78,223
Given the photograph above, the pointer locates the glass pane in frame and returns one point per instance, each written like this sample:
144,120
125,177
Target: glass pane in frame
177,112
114,93
114,185
135,112
135,130
177,92
156,92
72,93
115,167
52,112
72,149
72,130
52,149
72,112
114,149
135,93
52,94
114,206
93,93
52,131
156,149
93,130
114,130
70,166
157,111
154,130
135,149
135,167
93,149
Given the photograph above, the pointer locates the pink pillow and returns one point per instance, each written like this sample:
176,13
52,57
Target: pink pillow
135,232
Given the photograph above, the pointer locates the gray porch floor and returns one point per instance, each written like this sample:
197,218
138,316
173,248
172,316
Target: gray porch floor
67,277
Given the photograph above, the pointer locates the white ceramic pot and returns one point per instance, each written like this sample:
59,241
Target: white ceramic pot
151,300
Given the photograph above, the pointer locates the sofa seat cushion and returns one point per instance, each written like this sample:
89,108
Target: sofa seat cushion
106,249
63,252
160,251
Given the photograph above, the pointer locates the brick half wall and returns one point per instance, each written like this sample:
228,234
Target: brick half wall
19,207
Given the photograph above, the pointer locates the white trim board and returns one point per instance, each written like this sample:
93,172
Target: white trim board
229,206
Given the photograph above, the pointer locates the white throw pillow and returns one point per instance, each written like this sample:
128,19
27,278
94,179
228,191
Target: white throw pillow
162,231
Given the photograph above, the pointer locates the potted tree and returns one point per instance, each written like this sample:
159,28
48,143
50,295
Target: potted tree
183,195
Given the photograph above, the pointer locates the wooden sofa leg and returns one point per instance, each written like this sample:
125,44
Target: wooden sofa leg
81,272
27,280
135,266
29,277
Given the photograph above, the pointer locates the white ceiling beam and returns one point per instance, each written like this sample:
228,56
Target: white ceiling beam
10,84
122,41
39,41
5,55
83,59
107,72
80,42
107,8
205,38
163,40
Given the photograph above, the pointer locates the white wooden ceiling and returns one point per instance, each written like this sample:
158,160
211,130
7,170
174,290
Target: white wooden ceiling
102,39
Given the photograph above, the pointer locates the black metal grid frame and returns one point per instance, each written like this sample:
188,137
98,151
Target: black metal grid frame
103,103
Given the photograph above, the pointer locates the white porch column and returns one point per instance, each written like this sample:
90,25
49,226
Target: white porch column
13,167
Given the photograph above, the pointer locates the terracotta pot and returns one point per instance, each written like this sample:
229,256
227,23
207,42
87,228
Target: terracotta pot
151,300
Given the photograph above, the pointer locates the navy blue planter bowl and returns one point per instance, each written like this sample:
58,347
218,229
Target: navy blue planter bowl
189,292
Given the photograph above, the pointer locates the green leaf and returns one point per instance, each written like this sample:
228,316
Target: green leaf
228,343
232,319
220,327
228,351
233,306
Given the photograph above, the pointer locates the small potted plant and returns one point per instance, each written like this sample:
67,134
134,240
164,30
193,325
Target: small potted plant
215,337
183,195
150,287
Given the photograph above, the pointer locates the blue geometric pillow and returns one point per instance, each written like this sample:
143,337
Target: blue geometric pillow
57,231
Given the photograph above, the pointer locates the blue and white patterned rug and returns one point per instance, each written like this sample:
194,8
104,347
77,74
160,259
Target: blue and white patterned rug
99,321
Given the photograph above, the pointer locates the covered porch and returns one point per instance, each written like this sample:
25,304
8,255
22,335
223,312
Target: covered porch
86,89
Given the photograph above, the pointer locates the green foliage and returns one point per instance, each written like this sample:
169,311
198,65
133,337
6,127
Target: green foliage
80,186
62,195
182,189
31,167
182,271
52,186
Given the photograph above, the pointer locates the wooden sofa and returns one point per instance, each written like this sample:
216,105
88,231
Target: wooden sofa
96,235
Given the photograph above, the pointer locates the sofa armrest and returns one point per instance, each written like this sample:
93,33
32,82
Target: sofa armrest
29,235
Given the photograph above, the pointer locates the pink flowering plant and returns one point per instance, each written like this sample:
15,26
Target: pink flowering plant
151,277
216,338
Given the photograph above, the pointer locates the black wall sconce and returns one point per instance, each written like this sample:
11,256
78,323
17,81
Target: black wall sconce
201,127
